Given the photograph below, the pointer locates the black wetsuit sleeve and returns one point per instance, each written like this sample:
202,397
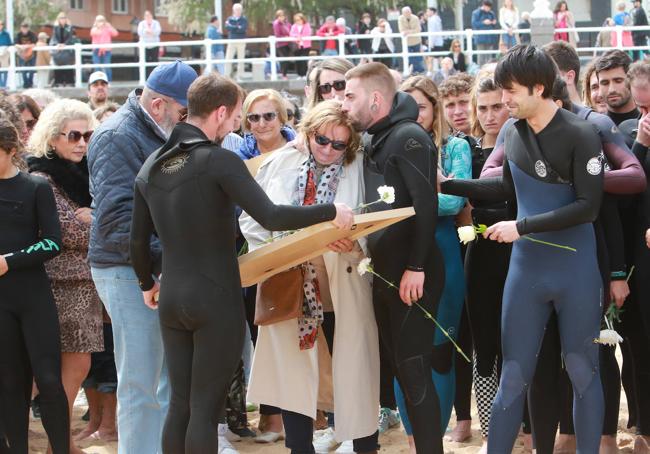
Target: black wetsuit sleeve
495,189
610,220
425,202
640,151
588,190
237,182
49,244
140,245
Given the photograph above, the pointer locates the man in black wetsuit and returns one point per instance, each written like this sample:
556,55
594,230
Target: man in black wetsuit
552,152
186,192
614,86
402,155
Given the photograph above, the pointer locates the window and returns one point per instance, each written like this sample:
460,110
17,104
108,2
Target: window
159,8
120,6
76,4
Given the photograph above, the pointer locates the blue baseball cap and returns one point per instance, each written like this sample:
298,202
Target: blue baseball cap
172,80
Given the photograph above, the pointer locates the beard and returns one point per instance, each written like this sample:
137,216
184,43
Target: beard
624,99
168,123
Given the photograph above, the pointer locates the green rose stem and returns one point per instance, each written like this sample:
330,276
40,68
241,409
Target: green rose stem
427,314
613,311
481,228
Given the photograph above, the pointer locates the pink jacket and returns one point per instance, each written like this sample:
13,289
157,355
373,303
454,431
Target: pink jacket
104,35
300,32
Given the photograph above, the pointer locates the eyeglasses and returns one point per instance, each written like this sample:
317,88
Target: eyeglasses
182,114
31,123
75,136
336,144
338,85
267,116
290,114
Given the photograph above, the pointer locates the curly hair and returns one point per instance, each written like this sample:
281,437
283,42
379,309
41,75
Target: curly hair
53,120
456,85
329,113
10,140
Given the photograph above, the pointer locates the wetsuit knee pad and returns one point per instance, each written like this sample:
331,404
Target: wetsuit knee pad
414,377
512,384
442,357
581,370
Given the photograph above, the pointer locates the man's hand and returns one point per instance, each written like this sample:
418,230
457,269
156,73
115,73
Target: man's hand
84,215
411,287
344,217
503,232
643,134
618,291
151,296
647,238
341,246
4,267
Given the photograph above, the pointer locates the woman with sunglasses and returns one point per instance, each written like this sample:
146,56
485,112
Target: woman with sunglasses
457,55
329,81
58,146
455,158
286,369
28,110
265,117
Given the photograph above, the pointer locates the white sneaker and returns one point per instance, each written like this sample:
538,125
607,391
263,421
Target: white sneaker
347,447
326,442
224,431
225,447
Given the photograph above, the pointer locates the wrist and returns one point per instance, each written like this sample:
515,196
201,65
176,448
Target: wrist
618,275
415,269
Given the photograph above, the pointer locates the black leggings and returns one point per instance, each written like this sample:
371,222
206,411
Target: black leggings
408,337
284,51
30,344
194,333
463,397
301,65
386,379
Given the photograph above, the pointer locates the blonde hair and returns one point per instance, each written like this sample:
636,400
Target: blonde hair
52,122
264,93
329,113
428,88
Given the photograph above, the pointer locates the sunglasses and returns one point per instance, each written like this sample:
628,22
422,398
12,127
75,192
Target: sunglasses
338,85
75,136
268,116
290,115
336,144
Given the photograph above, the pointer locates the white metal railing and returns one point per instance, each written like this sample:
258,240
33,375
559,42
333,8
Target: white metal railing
466,36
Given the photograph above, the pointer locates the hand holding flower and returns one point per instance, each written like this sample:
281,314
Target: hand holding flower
411,287
503,232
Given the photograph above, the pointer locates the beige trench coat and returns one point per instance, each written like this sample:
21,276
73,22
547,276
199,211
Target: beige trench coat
284,376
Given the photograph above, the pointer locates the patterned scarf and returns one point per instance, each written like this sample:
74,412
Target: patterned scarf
311,192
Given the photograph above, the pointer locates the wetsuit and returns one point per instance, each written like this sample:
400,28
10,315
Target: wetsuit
563,163
550,392
402,155
455,159
187,193
30,235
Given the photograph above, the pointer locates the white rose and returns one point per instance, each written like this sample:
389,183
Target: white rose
466,234
364,266
386,194
609,337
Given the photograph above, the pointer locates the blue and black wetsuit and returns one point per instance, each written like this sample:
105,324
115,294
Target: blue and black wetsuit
556,176
455,159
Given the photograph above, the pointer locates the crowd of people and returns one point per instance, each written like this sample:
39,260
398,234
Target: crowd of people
550,180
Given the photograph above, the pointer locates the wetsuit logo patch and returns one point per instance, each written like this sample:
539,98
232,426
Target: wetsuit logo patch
173,165
540,169
412,144
594,166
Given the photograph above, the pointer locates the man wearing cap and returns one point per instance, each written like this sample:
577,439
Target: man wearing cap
25,41
98,89
116,152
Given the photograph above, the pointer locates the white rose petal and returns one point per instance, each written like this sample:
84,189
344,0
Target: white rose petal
609,337
386,194
364,266
466,234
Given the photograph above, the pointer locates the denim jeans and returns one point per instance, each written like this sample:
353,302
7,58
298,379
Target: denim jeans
104,59
3,78
331,52
219,67
28,76
142,383
417,62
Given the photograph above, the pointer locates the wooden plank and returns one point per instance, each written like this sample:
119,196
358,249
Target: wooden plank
311,242
255,163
